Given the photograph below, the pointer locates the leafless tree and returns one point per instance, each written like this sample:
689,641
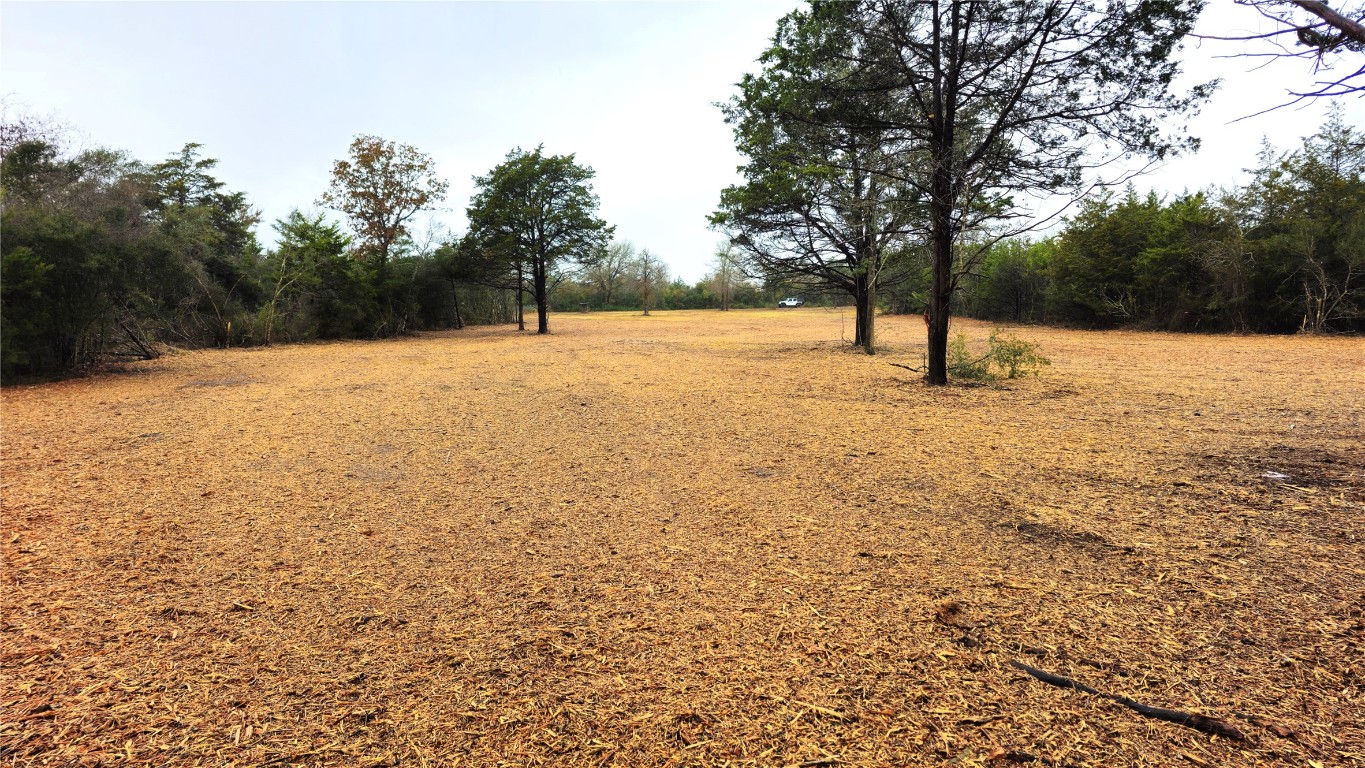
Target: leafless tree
651,271
609,271
727,273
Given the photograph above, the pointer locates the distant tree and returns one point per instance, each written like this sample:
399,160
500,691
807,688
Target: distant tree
652,275
1307,229
379,189
310,281
80,274
1284,253
183,180
213,232
29,169
986,101
538,212
1014,281
1095,270
725,275
492,261
18,126
473,301
103,257
609,270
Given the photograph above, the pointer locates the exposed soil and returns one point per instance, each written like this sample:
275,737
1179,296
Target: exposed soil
697,538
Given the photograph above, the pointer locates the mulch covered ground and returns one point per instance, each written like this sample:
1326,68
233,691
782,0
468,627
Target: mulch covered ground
696,539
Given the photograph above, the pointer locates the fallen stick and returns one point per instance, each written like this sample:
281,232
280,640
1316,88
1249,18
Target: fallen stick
1188,719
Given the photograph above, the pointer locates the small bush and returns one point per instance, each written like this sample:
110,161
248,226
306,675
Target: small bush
1006,357
961,364
1015,357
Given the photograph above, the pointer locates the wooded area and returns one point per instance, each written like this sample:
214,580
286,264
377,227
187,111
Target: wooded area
105,257
893,153
1283,254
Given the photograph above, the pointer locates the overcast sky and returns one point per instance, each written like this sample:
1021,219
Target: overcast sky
276,91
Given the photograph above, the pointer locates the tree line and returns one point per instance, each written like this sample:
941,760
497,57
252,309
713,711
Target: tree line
1284,253
108,257
105,257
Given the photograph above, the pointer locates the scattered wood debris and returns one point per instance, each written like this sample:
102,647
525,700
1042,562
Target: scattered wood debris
1209,725
698,538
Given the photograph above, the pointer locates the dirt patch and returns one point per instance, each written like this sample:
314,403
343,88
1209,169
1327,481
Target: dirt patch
1303,466
697,538
230,381
1048,535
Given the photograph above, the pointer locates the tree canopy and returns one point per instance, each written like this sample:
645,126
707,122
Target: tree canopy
380,188
537,212
821,202
1282,253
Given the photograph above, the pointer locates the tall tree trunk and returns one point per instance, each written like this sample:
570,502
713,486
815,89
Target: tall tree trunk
542,297
943,199
870,318
942,291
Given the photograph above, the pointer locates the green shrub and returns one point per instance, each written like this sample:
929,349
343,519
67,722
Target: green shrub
1015,357
1006,357
961,364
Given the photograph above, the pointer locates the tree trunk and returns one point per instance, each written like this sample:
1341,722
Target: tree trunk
521,297
542,297
942,291
870,318
943,197
455,297
865,304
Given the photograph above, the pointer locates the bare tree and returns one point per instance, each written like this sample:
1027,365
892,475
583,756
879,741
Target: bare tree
726,275
651,272
609,270
18,126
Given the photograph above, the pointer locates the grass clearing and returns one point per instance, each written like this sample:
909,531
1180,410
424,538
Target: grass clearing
696,538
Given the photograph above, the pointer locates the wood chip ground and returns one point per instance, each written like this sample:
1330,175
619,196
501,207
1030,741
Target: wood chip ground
692,539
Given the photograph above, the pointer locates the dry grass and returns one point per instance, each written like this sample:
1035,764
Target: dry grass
691,539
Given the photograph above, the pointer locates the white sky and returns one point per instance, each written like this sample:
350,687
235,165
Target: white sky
276,91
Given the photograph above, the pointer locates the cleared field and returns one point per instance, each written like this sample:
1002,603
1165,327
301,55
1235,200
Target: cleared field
690,539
